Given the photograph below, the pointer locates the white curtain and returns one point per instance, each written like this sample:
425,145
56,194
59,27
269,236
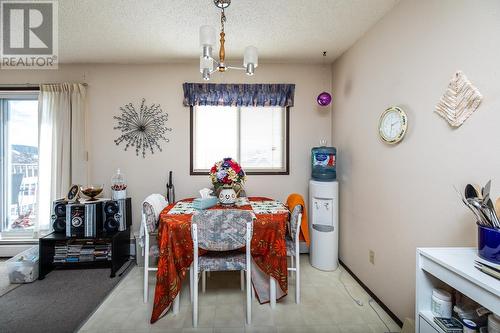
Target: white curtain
62,144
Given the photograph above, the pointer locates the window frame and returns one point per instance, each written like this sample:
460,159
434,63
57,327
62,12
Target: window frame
6,94
286,146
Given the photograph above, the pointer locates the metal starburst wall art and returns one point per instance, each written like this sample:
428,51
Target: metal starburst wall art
143,129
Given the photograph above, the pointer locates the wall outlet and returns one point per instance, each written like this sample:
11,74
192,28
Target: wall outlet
371,256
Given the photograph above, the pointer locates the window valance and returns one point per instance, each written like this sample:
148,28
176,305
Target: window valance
238,94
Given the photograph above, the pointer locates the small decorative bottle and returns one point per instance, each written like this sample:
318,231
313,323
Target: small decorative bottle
118,186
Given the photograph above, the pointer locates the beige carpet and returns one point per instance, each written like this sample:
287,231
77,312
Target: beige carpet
5,285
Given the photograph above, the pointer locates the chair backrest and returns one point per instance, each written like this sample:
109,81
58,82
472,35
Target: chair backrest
221,229
149,219
295,216
149,214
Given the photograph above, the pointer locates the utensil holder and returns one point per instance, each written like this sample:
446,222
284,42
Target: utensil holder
488,244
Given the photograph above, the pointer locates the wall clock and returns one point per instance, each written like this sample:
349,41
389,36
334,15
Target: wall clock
393,124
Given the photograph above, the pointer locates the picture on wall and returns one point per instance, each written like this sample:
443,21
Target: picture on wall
459,101
143,128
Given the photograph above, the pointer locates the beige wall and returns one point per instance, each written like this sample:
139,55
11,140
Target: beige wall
396,198
112,86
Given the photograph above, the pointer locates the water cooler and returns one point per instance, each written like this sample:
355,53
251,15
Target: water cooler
324,220
323,209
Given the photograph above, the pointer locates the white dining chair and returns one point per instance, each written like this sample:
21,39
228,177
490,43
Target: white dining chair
222,233
149,227
205,275
147,221
293,249
204,279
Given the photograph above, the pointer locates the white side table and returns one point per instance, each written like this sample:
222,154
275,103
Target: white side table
438,267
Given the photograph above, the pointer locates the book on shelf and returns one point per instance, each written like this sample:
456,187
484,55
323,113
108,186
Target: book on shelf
449,325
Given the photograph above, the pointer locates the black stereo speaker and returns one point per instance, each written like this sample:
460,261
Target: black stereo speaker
59,216
117,215
84,219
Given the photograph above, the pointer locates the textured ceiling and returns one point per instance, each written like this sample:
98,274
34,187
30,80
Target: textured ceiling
156,31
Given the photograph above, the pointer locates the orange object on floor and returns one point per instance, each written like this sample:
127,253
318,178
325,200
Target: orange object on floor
293,200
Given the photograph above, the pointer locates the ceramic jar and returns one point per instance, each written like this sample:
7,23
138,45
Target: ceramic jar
488,241
227,195
441,303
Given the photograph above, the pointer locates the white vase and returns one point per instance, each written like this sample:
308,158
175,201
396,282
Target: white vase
227,196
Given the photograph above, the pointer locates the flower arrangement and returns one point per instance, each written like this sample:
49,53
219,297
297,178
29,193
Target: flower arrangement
227,172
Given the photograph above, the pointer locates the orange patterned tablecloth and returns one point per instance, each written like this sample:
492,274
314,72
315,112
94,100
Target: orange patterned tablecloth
176,252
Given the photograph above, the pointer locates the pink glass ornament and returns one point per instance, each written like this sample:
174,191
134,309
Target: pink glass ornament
324,99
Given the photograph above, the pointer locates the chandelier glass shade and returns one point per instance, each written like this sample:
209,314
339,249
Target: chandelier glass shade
208,41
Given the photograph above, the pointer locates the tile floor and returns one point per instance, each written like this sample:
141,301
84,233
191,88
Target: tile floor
325,307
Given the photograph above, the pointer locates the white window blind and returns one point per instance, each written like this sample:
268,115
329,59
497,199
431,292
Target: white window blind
254,136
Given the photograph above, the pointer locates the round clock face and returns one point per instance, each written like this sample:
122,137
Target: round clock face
393,124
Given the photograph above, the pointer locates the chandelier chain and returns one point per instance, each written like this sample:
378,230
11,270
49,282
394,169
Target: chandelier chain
222,19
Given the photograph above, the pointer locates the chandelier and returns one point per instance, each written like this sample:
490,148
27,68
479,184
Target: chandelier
208,64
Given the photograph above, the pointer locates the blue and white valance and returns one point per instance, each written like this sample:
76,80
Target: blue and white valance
238,94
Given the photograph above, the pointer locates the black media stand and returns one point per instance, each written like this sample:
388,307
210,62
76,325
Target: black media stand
120,252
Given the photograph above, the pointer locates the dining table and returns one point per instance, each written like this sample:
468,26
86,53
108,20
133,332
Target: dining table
268,250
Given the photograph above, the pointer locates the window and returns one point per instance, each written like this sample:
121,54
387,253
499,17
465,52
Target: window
257,137
18,163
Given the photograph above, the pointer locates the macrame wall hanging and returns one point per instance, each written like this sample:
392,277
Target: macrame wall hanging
459,101
143,128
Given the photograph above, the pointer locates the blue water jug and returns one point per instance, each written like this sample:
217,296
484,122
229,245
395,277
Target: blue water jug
324,164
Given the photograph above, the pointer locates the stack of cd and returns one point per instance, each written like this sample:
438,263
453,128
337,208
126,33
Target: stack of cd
82,252
102,252
61,251
87,253
73,253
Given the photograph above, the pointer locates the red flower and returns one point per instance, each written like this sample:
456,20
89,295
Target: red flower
214,169
226,180
236,168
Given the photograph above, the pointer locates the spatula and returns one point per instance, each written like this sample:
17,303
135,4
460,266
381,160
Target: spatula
486,190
